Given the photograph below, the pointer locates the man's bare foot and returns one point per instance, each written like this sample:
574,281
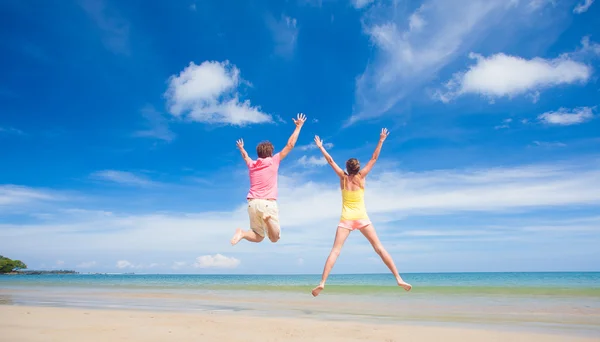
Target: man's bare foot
404,284
315,292
237,236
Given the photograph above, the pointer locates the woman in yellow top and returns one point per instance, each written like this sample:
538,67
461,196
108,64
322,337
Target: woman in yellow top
354,214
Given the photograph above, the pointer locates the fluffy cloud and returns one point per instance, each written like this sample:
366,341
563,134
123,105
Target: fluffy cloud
503,75
566,117
123,177
216,261
209,93
412,48
312,161
583,6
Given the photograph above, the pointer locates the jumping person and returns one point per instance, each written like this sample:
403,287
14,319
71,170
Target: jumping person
262,197
354,214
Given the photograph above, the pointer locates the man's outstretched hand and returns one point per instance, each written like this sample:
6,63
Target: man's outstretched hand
240,144
300,119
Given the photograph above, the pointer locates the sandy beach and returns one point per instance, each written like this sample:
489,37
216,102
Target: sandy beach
32,324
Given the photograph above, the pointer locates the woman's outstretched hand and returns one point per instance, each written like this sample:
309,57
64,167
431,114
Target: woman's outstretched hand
240,144
384,133
318,141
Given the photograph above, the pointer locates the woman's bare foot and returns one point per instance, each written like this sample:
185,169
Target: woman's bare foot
404,284
237,236
315,292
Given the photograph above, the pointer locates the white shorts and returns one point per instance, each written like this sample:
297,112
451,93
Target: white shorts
257,210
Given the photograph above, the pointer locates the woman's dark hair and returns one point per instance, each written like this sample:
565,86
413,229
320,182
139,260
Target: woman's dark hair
352,166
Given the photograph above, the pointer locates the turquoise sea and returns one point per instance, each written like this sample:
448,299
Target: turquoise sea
518,283
567,301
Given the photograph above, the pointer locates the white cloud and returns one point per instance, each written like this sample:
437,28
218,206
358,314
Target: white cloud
124,264
123,177
86,264
548,144
361,3
209,93
313,146
300,261
505,124
312,161
391,195
115,28
588,47
412,48
285,34
583,6
502,75
216,261
12,195
158,126
566,117
59,262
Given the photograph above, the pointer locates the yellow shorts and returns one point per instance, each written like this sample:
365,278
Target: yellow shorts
257,210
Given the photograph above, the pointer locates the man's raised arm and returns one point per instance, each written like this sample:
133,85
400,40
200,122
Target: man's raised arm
240,146
299,121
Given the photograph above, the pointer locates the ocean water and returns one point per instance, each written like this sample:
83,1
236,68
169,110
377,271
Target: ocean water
518,283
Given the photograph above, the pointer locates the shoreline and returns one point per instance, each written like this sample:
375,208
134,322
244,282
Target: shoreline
572,316
34,323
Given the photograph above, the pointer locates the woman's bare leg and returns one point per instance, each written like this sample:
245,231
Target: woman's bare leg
371,235
249,235
340,237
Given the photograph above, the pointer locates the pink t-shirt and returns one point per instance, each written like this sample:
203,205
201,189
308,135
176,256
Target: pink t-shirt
263,177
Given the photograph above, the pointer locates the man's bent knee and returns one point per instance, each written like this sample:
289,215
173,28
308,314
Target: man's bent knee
274,238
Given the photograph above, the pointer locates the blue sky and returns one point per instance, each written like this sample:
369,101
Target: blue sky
118,122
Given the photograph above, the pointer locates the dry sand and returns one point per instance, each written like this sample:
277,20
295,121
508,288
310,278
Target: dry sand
29,324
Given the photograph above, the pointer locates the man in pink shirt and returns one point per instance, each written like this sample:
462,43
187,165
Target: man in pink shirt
262,197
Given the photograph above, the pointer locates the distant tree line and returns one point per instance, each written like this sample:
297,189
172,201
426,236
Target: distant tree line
9,265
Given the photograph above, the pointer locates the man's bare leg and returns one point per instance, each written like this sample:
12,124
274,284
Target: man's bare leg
340,237
249,235
371,235
272,228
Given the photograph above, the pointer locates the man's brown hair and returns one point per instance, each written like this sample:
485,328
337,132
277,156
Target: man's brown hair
352,166
264,149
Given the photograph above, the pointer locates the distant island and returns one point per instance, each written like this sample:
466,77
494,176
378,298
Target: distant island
33,272
17,267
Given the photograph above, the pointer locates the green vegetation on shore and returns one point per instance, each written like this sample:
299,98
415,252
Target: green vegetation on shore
9,265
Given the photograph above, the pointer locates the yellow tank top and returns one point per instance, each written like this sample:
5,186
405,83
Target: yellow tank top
353,204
